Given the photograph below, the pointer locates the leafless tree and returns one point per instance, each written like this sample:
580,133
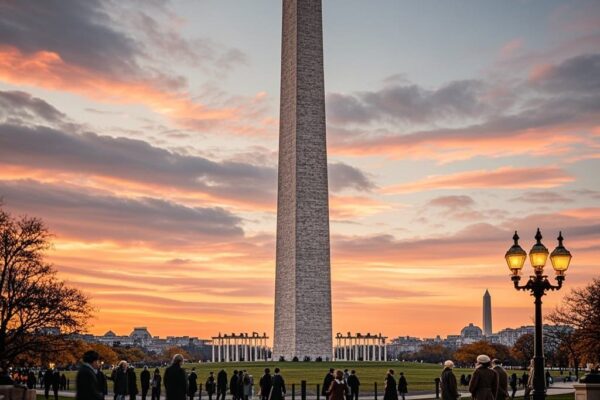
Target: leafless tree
37,310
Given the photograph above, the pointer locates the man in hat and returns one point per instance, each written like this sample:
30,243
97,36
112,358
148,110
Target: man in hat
484,383
448,382
502,379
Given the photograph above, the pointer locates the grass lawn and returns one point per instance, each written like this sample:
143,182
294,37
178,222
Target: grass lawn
420,377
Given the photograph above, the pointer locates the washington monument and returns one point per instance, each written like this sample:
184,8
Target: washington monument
303,278
487,313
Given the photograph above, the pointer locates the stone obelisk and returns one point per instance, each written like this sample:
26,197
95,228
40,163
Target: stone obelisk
303,278
487,313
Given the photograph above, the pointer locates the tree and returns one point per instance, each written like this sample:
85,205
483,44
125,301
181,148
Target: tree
37,310
468,353
580,312
168,353
432,353
522,350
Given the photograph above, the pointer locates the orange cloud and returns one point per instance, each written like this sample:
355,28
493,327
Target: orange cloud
347,207
501,178
48,70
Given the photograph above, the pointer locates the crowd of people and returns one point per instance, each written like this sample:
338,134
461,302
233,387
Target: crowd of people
52,380
489,381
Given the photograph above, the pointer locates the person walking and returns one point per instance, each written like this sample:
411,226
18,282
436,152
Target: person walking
145,381
248,386
513,385
353,384
221,384
502,380
120,385
211,385
528,381
448,383
240,384
549,379
174,380
233,385
192,384
327,383
31,380
156,384
102,382
390,392
55,383
132,387
338,388
484,382
402,386
265,383
88,387
278,387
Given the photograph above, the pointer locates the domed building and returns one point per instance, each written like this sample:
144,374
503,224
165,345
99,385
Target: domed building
471,333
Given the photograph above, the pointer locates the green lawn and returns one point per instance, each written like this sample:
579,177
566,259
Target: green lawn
556,397
419,376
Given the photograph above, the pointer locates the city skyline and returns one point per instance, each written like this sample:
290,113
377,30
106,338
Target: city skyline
145,136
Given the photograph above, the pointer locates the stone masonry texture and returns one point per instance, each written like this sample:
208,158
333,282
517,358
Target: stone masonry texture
303,277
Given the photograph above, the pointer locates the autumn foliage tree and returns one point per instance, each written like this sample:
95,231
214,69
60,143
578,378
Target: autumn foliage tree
468,353
522,350
37,310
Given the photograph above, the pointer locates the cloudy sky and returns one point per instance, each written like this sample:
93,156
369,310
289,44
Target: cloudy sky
145,134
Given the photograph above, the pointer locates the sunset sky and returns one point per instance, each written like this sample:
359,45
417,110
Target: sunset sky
145,134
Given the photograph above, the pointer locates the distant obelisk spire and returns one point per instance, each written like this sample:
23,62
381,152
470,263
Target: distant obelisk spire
487,313
303,277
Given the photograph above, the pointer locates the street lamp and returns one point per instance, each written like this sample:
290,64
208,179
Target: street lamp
538,284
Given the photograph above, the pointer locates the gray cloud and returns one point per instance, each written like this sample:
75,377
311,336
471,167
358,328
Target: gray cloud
343,176
96,215
411,103
542,197
577,75
452,202
21,106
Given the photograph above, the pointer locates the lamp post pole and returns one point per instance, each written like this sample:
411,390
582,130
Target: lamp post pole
538,284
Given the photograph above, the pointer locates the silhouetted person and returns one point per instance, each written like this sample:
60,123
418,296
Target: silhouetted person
156,384
88,387
240,385
119,377
513,385
502,380
211,385
278,387
31,380
192,384
63,382
448,385
265,383
463,379
353,384
233,385
48,377
327,383
248,383
132,383
390,392
175,381
55,383
402,386
484,383
102,382
145,382
221,384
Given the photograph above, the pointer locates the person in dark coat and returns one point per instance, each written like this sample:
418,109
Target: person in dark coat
88,387
221,384
353,384
484,382
63,382
390,392
338,388
240,385
175,381
327,383
233,385
402,386
156,384
31,380
448,384
102,382
132,383
502,380
513,385
119,378
192,384
145,382
211,385
265,383
55,383
278,387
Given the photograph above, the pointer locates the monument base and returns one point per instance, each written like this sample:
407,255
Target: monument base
587,391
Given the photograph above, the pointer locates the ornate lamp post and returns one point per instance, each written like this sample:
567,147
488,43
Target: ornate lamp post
538,284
